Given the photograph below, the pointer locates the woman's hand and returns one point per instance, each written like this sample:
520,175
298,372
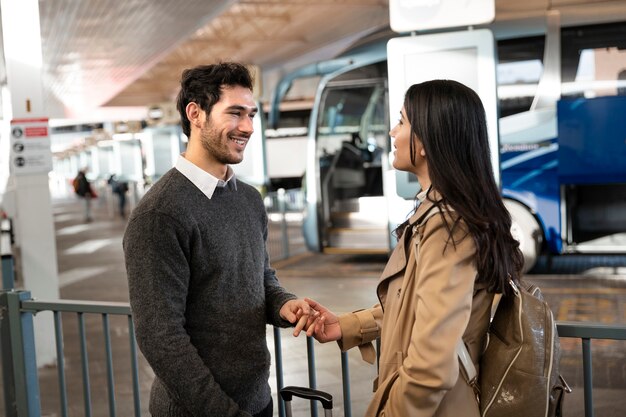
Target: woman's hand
324,326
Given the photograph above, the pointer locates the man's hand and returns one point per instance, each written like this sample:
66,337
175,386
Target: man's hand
299,312
323,326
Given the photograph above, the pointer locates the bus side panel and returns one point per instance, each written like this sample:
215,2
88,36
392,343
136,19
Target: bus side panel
530,177
592,136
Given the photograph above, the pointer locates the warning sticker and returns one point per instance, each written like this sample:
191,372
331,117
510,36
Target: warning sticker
30,146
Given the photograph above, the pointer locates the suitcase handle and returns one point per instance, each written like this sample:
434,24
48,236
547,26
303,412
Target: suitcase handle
310,394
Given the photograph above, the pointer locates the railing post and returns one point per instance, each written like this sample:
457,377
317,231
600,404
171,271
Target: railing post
345,378
8,271
21,386
6,240
278,353
282,207
588,377
310,353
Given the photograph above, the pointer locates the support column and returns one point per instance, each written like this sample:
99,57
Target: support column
30,161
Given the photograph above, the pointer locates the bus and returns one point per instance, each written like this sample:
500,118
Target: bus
562,150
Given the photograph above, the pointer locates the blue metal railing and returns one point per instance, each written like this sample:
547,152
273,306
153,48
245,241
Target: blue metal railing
21,386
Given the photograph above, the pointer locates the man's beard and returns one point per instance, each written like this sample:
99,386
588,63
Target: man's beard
212,143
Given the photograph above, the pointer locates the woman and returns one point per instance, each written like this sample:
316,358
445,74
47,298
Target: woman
453,253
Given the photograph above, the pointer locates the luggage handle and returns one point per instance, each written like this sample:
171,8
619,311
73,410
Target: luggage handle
287,393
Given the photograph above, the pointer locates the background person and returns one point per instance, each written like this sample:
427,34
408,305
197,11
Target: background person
201,286
83,188
120,188
453,253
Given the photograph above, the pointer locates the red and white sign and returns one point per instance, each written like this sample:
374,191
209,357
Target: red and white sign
30,146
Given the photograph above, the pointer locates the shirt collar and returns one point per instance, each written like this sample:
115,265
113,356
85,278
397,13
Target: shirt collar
205,182
421,196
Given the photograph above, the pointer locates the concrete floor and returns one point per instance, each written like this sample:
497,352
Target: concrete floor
91,267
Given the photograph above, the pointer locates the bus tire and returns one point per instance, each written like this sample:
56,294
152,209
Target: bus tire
526,230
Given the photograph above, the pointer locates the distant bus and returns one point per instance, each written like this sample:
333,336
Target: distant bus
562,167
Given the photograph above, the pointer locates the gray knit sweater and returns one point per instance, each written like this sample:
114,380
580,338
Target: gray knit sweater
201,293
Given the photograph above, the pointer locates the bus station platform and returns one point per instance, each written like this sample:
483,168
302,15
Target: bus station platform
91,268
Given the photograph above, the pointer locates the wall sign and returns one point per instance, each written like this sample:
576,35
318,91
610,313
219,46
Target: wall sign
30,146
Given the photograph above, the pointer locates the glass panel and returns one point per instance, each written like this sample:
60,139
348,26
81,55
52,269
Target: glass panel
352,135
600,72
520,66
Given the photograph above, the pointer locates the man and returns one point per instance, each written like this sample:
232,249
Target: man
201,287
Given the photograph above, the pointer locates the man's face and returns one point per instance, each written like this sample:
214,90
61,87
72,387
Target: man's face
228,128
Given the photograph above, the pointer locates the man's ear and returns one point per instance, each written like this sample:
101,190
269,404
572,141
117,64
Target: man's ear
194,114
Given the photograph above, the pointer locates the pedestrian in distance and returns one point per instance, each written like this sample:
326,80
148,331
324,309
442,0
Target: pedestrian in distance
120,188
453,253
201,286
84,190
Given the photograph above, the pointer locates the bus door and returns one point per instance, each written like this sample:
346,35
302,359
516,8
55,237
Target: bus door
351,141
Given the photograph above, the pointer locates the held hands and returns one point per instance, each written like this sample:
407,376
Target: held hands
298,312
323,324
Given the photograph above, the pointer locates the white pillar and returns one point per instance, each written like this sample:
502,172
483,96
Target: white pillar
25,121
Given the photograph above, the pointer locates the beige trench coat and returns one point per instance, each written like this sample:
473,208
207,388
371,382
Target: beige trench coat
430,301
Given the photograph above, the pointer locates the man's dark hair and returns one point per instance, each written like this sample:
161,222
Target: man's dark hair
203,85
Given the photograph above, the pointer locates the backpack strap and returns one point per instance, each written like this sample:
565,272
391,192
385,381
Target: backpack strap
469,369
470,373
424,217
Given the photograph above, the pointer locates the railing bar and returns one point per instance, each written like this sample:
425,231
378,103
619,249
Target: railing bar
588,377
58,333
280,383
591,330
109,359
74,306
85,364
345,378
134,366
310,353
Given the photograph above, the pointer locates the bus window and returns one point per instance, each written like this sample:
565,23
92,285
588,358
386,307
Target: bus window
598,74
593,60
520,65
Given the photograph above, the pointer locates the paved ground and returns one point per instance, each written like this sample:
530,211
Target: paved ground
91,268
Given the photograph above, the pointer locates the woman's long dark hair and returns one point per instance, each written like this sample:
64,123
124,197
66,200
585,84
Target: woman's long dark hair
449,119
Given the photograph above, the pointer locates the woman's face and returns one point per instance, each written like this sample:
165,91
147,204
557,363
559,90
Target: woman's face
402,145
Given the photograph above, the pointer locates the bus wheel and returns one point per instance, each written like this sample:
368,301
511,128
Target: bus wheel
525,228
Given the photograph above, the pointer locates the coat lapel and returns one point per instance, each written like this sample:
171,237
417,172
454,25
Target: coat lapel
398,259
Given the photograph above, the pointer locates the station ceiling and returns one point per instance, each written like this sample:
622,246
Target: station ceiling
102,53
131,52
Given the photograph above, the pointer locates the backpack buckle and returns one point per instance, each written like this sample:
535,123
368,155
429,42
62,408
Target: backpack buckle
474,384
566,387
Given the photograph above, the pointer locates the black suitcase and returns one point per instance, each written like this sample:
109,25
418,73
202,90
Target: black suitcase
310,394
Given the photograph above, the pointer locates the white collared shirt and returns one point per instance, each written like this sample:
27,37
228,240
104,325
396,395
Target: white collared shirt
421,196
205,182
